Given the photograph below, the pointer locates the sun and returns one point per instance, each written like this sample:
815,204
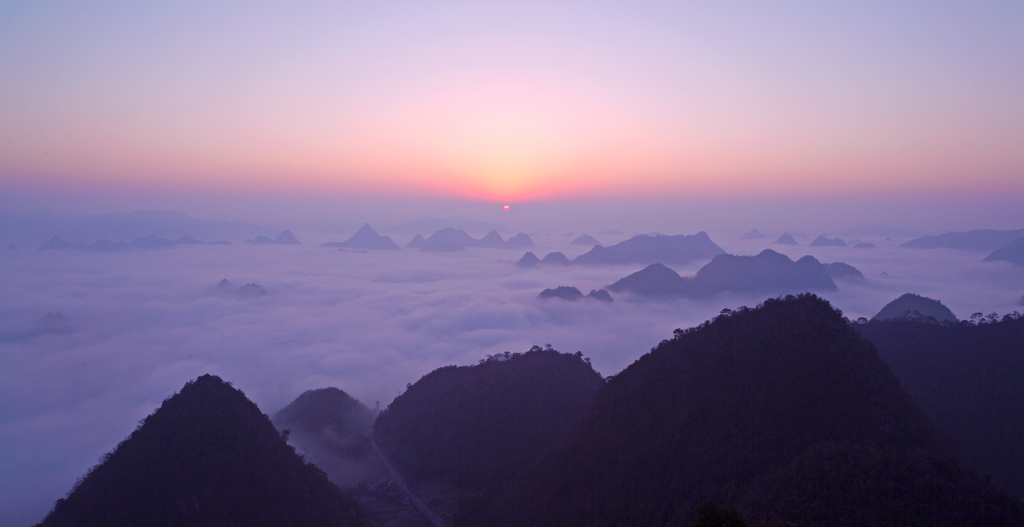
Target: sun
506,207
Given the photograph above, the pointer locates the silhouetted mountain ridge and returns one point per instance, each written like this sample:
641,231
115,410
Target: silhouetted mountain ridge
1013,253
585,239
786,239
450,240
555,258
528,260
367,238
915,307
475,425
285,238
782,411
648,249
983,240
206,457
753,234
33,229
843,271
825,241
149,242
967,379
767,273
561,292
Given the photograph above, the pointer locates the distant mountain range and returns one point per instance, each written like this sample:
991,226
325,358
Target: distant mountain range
573,294
825,241
152,241
365,238
32,230
249,290
450,240
426,224
879,230
144,243
767,273
984,240
649,249
556,258
285,238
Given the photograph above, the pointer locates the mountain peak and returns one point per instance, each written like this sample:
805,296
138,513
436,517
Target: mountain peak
916,307
786,239
207,456
287,238
781,411
528,260
753,234
825,241
585,239
416,242
555,258
367,238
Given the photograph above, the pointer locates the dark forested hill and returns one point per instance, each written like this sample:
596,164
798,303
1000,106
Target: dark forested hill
782,411
970,380
478,424
206,457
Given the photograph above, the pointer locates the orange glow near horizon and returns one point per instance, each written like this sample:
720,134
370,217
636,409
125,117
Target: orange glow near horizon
514,102
500,138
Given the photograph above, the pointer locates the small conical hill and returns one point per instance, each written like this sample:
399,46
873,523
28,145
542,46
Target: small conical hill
915,307
332,429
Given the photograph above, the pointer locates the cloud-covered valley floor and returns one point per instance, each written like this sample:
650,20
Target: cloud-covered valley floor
138,325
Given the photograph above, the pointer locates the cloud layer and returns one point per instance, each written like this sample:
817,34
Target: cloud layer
140,324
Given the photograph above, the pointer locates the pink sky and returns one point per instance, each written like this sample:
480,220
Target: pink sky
515,102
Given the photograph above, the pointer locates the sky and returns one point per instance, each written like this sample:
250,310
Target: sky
511,102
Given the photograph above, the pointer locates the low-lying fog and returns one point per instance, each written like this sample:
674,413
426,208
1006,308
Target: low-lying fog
139,324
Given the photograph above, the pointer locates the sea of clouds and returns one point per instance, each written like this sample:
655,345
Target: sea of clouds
139,324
